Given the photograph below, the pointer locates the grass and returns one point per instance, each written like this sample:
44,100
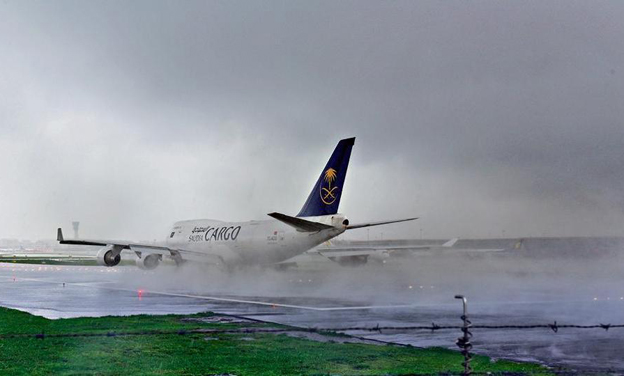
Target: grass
203,354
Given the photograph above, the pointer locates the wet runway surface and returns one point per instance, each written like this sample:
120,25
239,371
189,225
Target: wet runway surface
384,295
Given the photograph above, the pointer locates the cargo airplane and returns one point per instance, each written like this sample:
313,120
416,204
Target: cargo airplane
265,242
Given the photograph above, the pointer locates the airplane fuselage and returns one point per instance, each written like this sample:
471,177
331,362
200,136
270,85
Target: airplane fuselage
252,243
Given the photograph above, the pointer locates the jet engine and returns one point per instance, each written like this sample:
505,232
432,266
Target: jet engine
108,256
148,262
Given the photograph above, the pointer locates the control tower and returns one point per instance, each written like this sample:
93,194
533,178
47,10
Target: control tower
75,225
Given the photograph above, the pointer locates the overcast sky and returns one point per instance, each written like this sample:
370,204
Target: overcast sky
483,118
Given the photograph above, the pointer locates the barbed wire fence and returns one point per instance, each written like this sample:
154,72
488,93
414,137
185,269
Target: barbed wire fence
462,342
433,327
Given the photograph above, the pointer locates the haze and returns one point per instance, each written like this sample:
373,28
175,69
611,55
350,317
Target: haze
485,119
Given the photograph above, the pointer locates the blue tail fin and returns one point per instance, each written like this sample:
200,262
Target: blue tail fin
325,196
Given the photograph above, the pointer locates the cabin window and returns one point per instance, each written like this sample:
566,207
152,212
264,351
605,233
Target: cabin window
171,236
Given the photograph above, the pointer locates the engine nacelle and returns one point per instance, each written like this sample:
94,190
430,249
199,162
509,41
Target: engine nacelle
108,256
148,262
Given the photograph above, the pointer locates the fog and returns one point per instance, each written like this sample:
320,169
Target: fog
533,281
542,271
485,119
549,280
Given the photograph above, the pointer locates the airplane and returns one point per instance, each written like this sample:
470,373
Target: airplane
259,242
353,254
356,255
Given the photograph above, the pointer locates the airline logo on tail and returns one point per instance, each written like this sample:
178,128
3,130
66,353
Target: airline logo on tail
328,194
325,195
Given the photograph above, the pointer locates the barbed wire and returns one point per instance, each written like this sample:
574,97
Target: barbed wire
250,330
433,327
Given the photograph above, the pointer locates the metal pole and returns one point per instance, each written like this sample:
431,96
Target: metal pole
463,342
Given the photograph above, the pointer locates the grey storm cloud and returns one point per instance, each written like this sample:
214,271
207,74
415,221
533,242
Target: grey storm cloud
480,117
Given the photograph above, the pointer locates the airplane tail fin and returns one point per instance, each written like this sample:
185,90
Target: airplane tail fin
325,196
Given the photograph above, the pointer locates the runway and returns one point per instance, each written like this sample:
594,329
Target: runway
395,294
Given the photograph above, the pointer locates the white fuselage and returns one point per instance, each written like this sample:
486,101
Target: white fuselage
250,243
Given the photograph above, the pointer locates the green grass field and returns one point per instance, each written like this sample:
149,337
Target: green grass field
207,353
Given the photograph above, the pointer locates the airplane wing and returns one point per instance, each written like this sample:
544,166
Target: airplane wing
310,226
56,258
132,246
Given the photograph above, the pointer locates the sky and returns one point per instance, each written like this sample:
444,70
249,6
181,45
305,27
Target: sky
483,118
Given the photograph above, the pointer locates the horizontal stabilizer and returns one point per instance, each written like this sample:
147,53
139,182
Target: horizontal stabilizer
300,224
360,225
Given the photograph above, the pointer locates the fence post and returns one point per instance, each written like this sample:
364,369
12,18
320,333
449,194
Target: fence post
463,342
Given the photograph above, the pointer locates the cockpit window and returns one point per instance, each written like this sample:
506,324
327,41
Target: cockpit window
171,236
